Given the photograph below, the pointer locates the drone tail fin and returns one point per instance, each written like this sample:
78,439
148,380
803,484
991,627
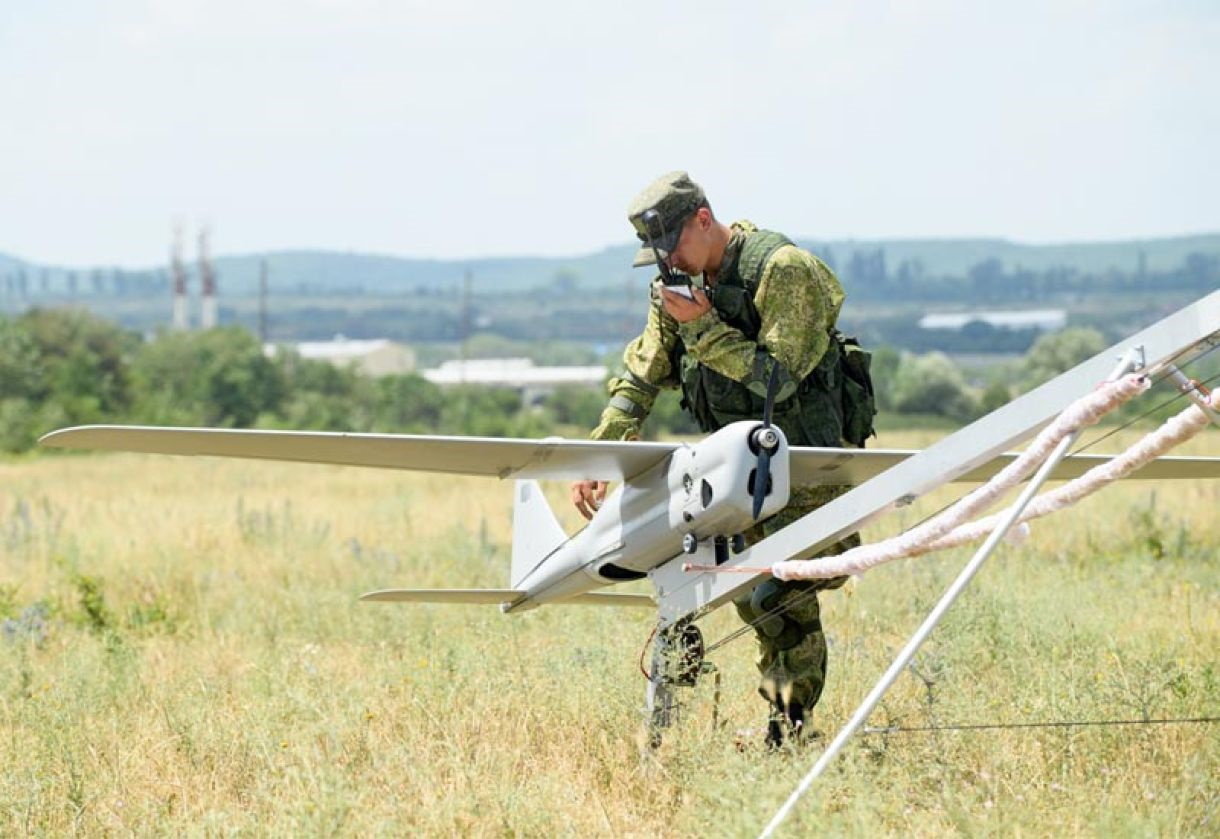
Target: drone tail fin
536,531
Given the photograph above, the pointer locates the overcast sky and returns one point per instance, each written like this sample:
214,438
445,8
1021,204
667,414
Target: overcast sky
462,129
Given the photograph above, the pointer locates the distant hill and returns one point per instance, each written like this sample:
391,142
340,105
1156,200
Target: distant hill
373,274
610,267
954,257
314,272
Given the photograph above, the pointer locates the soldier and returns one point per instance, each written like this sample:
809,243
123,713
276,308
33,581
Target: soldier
756,303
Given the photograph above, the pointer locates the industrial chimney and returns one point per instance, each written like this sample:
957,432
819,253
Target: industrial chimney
207,281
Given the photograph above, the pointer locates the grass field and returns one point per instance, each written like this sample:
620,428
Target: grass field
184,653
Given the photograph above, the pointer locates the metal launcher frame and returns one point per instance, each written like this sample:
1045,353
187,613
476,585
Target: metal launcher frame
683,597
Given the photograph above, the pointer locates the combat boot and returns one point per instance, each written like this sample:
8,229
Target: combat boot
786,722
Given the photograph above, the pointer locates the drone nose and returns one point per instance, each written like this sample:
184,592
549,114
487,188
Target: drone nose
766,438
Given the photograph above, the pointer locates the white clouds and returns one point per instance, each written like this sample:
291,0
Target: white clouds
390,125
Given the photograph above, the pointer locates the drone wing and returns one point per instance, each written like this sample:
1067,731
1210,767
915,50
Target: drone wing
855,466
500,595
552,458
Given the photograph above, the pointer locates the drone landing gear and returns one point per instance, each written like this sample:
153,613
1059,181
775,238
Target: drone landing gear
677,661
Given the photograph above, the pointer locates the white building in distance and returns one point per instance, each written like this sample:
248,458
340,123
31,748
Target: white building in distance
372,357
1047,320
516,373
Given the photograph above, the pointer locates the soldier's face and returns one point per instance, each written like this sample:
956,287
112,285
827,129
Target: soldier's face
694,247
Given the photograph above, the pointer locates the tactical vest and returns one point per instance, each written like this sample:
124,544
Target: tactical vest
833,403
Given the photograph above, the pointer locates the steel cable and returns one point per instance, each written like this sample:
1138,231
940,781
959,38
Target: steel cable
989,726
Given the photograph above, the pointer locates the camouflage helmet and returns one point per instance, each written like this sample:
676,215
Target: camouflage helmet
659,211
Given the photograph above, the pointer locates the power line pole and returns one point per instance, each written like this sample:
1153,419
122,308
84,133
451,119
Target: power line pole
463,359
179,273
467,282
262,302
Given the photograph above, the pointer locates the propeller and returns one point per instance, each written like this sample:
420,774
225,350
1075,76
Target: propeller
765,441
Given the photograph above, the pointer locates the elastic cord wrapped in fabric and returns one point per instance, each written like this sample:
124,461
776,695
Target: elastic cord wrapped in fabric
921,539
1174,432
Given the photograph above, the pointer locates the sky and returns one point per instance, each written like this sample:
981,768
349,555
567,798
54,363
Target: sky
474,129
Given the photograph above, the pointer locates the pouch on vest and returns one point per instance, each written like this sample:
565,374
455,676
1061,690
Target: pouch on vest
859,400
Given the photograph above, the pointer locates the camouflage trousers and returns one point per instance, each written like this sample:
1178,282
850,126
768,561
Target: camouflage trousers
786,616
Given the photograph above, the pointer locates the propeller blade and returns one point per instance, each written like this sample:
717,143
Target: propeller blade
772,385
762,475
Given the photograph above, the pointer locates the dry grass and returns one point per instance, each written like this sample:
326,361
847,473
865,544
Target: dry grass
200,665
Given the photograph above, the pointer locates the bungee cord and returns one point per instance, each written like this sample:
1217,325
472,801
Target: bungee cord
951,527
1125,425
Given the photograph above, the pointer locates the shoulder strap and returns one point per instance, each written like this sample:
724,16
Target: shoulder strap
757,249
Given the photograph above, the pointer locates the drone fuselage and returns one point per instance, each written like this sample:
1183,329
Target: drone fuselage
703,490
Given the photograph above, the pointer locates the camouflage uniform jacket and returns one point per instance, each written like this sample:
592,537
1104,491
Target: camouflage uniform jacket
798,299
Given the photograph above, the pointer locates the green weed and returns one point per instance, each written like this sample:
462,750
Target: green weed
181,662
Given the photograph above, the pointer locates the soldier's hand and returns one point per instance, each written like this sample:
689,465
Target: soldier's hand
587,496
682,308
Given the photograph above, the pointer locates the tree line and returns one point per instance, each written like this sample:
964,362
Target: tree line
989,281
61,367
